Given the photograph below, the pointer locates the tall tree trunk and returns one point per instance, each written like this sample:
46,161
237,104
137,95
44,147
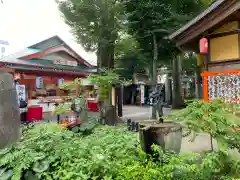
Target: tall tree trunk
177,85
197,83
168,90
106,56
154,71
105,59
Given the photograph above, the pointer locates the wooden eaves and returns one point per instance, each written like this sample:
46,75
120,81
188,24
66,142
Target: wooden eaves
217,14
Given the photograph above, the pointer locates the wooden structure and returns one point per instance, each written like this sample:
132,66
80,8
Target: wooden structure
138,91
43,66
220,24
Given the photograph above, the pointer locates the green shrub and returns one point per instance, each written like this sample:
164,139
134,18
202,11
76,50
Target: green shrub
50,152
174,167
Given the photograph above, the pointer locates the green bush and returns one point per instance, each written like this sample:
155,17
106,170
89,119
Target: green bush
50,152
175,167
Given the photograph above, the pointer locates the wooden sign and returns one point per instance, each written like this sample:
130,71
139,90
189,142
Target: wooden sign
28,76
21,93
65,62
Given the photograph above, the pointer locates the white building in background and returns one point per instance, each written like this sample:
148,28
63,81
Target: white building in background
4,48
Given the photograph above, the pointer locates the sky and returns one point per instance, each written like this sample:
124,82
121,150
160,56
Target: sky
26,22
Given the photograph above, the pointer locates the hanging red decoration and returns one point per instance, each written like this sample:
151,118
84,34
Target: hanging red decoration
203,46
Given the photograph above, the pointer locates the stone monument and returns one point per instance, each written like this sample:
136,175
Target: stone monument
9,110
166,134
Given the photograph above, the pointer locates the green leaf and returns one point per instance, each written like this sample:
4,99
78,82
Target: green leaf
5,174
75,129
30,176
41,166
4,151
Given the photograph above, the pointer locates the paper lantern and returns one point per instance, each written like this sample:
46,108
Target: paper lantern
17,76
203,46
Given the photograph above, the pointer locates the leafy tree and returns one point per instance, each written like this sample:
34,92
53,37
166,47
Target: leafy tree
150,22
129,58
190,63
95,24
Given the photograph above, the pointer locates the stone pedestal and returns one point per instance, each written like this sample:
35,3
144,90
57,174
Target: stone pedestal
9,110
167,135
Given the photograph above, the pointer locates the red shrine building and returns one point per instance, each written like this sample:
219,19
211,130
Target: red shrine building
43,66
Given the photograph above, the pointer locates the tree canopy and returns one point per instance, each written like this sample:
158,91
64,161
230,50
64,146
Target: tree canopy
95,24
159,17
129,58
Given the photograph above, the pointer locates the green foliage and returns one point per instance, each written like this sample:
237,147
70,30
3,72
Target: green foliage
62,108
96,25
159,17
71,86
213,118
104,81
50,152
124,45
86,127
129,58
92,21
168,166
189,61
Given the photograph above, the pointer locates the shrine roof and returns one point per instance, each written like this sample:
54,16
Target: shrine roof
22,53
216,15
56,41
27,68
211,8
45,65
46,47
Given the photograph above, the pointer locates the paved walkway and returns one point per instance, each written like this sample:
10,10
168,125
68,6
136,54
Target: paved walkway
201,143
139,112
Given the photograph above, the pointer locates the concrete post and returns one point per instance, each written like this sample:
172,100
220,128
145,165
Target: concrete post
9,110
